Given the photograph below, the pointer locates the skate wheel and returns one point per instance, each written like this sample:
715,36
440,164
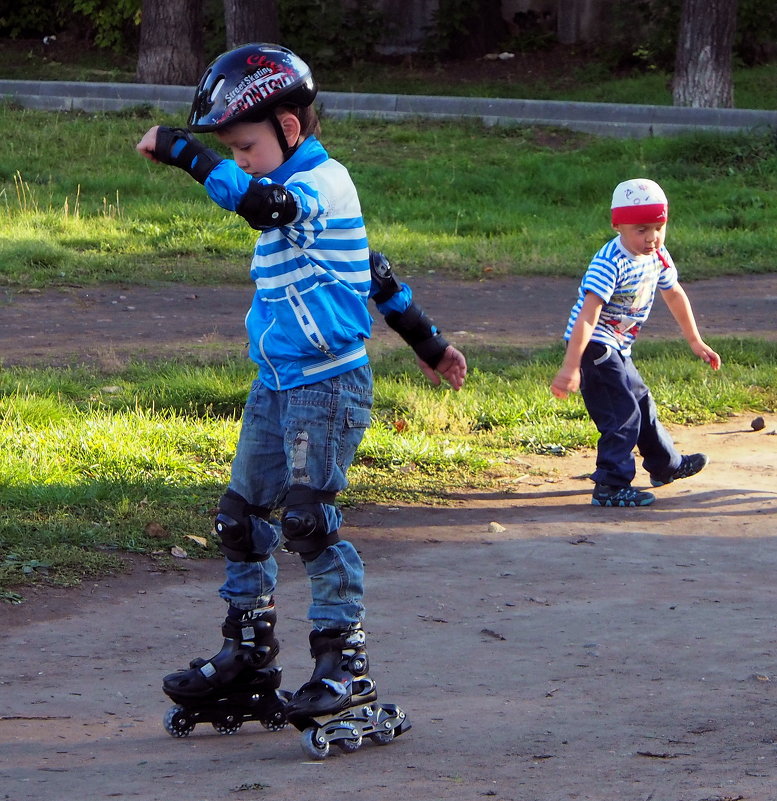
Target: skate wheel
312,745
229,724
276,718
177,722
382,737
349,745
275,722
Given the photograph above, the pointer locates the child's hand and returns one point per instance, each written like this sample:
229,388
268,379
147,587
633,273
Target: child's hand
707,354
147,144
452,367
566,380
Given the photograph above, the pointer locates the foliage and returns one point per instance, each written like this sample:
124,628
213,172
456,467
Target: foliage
115,23
756,34
111,24
462,28
331,32
643,33
33,19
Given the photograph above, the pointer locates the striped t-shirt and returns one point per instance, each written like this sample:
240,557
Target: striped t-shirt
627,285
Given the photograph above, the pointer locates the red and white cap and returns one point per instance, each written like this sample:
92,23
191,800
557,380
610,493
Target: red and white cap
639,201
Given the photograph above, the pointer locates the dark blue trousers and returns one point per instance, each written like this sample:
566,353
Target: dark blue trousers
623,410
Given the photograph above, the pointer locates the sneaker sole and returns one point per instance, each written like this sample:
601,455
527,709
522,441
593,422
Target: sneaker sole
645,502
655,483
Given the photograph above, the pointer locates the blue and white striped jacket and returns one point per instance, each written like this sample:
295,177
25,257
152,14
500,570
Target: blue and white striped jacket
309,316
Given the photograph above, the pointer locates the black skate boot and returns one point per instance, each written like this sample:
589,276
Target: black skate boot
239,683
339,704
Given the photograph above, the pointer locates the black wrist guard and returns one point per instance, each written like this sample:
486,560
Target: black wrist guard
418,331
194,157
267,206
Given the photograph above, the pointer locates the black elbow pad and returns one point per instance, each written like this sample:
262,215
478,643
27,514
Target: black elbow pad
384,282
267,206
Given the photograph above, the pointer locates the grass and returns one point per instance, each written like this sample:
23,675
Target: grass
95,464
80,206
590,82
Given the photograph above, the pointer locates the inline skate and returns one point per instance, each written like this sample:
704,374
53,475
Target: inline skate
241,682
339,704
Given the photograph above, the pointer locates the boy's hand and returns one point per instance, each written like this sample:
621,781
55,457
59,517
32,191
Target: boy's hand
452,367
706,354
147,144
566,380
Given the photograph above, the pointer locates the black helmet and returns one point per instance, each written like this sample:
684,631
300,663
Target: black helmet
247,83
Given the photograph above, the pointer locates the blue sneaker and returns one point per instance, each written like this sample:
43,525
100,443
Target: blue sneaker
607,495
690,465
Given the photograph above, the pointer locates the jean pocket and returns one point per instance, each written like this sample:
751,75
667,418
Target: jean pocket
357,417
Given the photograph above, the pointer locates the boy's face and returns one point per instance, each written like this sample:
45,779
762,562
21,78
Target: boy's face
254,146
642,239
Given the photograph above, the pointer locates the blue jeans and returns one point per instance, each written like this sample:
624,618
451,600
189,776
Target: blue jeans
624,412
303,436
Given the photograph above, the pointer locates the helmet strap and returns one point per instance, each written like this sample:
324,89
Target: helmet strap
286,149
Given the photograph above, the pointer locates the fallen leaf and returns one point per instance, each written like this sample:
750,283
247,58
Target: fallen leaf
199,540
155,529
179,552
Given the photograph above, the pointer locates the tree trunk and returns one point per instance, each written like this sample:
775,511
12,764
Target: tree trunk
703,66
170,50
251,21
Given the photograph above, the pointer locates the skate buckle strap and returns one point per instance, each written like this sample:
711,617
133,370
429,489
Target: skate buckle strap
355,638
208,670
337,687
248,633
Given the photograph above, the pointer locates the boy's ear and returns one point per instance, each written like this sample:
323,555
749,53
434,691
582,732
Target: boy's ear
291,127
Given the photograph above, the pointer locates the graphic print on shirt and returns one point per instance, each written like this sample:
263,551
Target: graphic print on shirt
627,310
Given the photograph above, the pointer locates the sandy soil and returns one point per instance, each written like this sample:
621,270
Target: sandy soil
580,653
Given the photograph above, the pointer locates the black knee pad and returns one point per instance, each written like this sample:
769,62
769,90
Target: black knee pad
304,523
236,525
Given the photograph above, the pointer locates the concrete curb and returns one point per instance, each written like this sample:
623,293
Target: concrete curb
605,119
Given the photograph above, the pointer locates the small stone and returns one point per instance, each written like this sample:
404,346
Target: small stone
757,424
496,528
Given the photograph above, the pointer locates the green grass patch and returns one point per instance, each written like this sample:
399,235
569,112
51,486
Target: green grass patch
81,206
96,464
594,82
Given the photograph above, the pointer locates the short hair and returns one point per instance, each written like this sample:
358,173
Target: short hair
308,119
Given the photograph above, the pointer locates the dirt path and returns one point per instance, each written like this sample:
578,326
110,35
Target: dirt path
111,323
580,653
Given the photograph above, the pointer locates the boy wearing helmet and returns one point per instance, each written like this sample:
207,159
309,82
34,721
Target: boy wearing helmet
614,300
308,410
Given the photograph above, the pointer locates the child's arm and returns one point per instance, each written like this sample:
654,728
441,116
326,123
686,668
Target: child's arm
680,307
263,205
435,356
567,379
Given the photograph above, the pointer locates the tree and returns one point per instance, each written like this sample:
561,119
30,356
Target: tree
170,50
251,21
703,65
